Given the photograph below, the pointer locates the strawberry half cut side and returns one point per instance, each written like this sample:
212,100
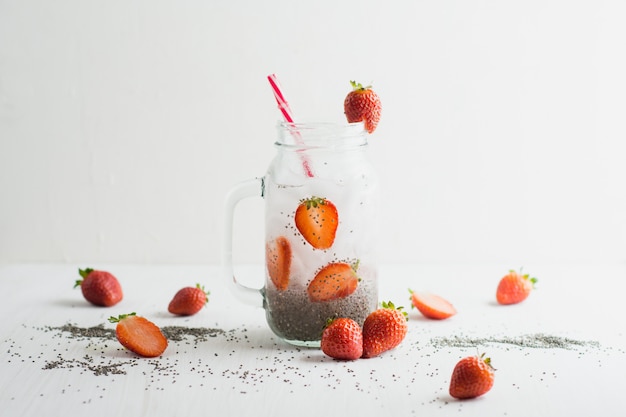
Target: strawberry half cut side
432,306
139,335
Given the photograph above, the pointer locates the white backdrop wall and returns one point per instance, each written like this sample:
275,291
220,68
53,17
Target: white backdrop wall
124,123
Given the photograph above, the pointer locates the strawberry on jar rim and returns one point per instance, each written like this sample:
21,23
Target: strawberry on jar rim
362,104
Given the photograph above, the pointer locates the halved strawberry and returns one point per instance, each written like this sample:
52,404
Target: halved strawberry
278,261
317,220
139,335
431,305
335,280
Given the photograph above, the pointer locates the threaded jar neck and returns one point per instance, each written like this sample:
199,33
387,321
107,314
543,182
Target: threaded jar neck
321,135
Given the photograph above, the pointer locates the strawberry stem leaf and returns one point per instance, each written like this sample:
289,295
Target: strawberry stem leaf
391,306
487,361
207,293
84,272
121,317
358,86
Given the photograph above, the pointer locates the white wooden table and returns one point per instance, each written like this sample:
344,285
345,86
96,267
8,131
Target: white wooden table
231,364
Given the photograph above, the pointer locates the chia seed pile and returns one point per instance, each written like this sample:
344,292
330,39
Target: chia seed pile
172,333
536,341
293,317
102,338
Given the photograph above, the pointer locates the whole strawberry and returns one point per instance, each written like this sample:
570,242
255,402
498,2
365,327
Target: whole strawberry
383,330
342,339
362,104
472,376
188,301
514,288
100,288
139,335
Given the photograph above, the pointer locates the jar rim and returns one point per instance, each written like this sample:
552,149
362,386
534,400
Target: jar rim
321,134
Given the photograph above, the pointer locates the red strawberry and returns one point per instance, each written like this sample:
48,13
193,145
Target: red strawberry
278,261
335,280
317,220
362,104
99,287
139,335
514,288
383,330
472,376
342,339
188,301
431,305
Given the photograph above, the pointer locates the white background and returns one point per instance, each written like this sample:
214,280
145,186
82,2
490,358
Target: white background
124,123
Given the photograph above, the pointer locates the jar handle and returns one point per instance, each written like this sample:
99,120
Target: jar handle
246,189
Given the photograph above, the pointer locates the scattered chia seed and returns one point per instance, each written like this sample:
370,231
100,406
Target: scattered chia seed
200,334
536,340
88,364
83,333
173,333
103,366
89,351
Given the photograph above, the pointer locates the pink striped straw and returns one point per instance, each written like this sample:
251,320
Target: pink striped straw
284,108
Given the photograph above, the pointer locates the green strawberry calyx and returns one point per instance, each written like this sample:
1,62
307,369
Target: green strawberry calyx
313,202
83,273
206,293
487,361
391,306
121,317
532,280
359,87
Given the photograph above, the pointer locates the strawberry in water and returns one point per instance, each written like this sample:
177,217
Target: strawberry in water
472,377
278,262
335,280
188,301
317,220
342,339
100,288
514,288
432,306
362,104
384,329
139,335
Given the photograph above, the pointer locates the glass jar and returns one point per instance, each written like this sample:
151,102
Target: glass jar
321,197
